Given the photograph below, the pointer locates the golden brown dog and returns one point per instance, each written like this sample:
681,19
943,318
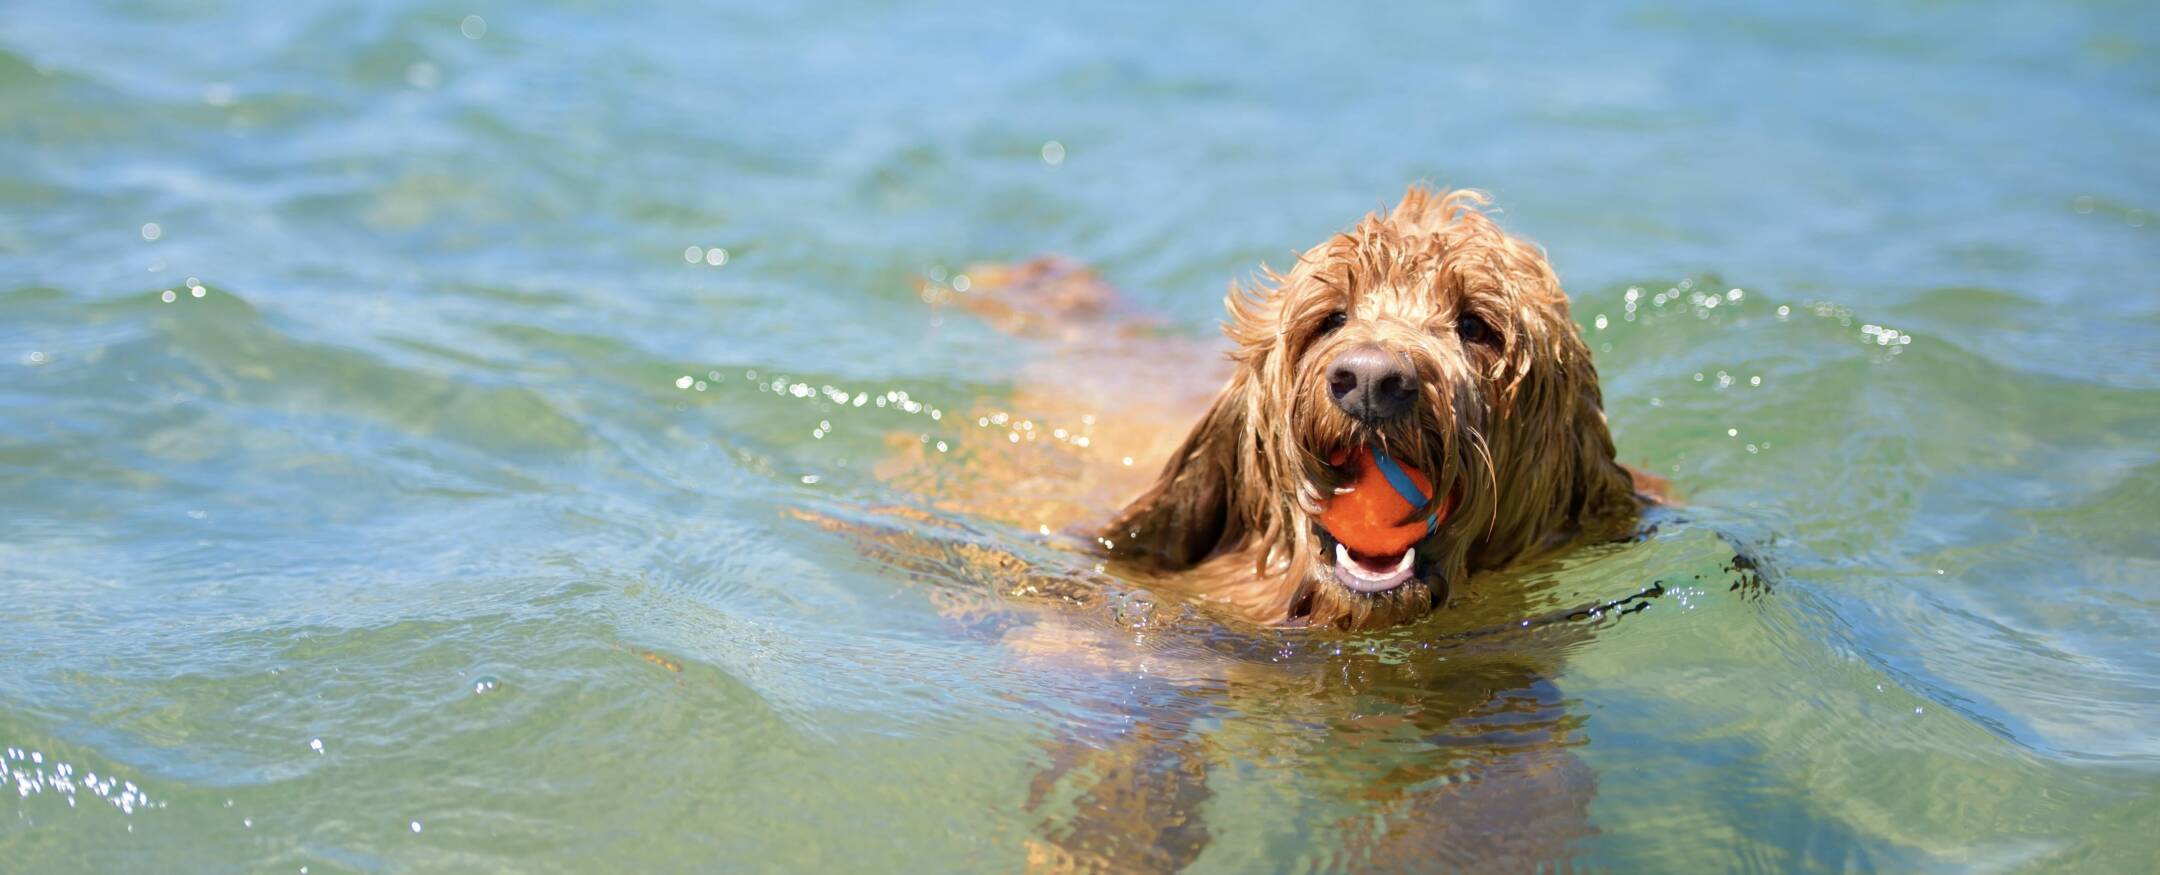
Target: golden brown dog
1426,333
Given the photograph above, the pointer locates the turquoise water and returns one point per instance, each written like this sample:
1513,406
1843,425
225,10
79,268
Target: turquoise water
458,521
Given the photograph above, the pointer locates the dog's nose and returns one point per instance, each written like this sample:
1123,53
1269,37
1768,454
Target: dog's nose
1371,385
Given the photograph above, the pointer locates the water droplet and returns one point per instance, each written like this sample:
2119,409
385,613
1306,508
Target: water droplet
1053,153
683,382
151,231
167,296
315,744
416,827
716,256
693,254
473,27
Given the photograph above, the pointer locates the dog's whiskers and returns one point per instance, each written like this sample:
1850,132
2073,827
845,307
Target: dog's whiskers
1308,498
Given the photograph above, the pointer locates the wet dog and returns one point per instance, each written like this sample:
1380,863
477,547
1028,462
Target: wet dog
1425,334
1431,336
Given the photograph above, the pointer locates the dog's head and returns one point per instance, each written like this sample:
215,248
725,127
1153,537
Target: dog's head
1436,339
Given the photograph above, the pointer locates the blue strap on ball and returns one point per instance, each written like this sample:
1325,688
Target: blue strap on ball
1405,487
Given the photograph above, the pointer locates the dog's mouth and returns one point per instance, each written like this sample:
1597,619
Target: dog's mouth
1366,544
1366,573
1371,574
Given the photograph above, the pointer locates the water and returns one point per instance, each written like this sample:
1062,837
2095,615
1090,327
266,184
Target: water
405,544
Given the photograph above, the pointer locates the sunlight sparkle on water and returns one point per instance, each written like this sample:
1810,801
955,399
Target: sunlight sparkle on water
60,779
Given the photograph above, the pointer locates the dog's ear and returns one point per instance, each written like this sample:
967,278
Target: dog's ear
1189,512
1552,449
1604,489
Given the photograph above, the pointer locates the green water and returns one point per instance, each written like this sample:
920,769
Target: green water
404,545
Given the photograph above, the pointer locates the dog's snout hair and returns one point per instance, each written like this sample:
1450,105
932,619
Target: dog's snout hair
1426,331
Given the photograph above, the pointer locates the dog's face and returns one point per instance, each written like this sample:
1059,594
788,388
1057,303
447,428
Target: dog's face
1431,336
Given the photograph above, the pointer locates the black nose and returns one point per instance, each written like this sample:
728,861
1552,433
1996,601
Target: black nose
1371,385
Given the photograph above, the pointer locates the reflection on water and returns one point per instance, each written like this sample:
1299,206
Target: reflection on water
520,402
1446,743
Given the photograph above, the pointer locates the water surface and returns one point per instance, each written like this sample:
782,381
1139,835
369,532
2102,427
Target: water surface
413,420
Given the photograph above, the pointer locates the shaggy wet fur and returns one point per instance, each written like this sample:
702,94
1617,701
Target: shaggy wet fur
1509,420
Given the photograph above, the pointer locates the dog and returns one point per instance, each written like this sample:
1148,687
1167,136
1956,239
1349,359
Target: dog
1425,331
1426,334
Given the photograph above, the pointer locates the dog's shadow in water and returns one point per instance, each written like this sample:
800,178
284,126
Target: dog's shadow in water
1442,745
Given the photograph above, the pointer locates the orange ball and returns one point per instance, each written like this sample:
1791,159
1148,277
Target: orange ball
1371,517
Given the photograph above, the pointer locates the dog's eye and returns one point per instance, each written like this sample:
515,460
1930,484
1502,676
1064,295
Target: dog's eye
1472,329
1333,321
